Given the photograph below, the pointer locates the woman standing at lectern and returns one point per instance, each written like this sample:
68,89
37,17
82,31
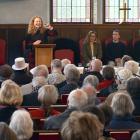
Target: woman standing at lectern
37,34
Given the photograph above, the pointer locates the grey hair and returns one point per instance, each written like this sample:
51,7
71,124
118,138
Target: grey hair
39,81
92,80
22,124
77,98
122,104
41,70
48,94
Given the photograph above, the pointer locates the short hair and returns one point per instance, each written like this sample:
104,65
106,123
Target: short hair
77,98
133,87
10,93
96,65
125,58
65,62
108,72
6,71
122,104
56,63
96,111
47,95
132,65
6,133
81,126
22,124
108,112
41,70
136,135
72,74
91,79
39,81
116,30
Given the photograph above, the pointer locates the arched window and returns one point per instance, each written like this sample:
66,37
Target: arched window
121,10
71,11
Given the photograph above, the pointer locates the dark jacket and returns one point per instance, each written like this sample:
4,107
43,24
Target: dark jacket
55,122
126,122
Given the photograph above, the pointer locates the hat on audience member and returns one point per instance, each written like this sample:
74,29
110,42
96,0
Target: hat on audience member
20,64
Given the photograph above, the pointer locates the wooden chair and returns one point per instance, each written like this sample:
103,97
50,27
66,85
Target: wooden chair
120,135
49,136
2,51
64,98
60,108
64,53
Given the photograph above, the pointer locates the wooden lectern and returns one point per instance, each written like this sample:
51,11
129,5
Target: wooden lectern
44,54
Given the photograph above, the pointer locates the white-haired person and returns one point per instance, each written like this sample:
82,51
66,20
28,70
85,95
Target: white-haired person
123,107
10,99
32,98
76,100
94,69
47,96
40,70
90,84
133,66
22,124
81,126
72,75
56,76
122,76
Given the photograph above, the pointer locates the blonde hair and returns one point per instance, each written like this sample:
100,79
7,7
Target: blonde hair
10,94
81,126
48,95
31,27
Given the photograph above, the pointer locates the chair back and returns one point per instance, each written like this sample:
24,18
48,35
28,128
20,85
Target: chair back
64,53
2,51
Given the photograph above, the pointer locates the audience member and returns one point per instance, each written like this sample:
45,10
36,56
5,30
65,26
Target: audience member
65,62
125,58
91,48
123,75
133,88
76,100
47,95
133,66
94,69
32,98
40,70
6,133
22,124
136,135
10,99
81,126
21,74
115,49
5,73
108,85
123,107
56,76
72,78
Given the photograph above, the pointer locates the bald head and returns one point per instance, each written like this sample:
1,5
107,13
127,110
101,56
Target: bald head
96,65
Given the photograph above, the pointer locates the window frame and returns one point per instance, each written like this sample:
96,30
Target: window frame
104,14
91,15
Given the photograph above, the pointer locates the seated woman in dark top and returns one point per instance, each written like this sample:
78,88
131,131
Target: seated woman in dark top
10,99
37,34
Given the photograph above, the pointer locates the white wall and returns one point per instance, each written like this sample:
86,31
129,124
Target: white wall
20,11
